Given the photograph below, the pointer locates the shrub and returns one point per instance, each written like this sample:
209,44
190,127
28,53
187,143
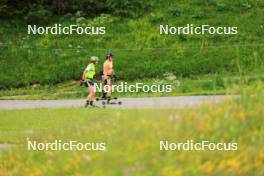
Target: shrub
38,15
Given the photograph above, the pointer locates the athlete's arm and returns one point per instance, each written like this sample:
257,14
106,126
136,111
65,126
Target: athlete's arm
83,75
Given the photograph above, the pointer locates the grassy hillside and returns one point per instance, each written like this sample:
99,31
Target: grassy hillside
141,52
132,138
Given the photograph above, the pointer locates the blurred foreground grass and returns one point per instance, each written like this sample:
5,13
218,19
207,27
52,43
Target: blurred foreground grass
132,138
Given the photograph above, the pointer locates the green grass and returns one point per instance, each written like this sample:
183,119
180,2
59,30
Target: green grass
216,84
132,138
54,59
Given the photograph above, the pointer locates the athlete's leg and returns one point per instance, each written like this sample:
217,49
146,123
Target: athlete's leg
91,94
107,88
104,91
109,91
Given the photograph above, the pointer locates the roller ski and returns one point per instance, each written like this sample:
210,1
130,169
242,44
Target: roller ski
104,97
109,101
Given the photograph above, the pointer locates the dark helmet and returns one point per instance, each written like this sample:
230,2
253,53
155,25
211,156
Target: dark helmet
110,54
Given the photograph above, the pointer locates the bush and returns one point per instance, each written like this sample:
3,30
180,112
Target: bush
128,8
39,10
38,15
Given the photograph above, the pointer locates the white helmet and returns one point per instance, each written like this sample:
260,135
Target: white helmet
94,59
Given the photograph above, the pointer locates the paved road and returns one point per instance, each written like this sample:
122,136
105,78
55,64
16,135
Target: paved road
127,103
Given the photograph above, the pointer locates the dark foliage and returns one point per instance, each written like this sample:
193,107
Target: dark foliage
41,10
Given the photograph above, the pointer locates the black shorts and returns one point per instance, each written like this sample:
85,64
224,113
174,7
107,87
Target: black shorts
88,83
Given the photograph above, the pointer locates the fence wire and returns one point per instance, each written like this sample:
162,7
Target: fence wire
3,45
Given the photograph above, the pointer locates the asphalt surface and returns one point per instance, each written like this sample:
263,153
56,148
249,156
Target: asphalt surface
127,103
